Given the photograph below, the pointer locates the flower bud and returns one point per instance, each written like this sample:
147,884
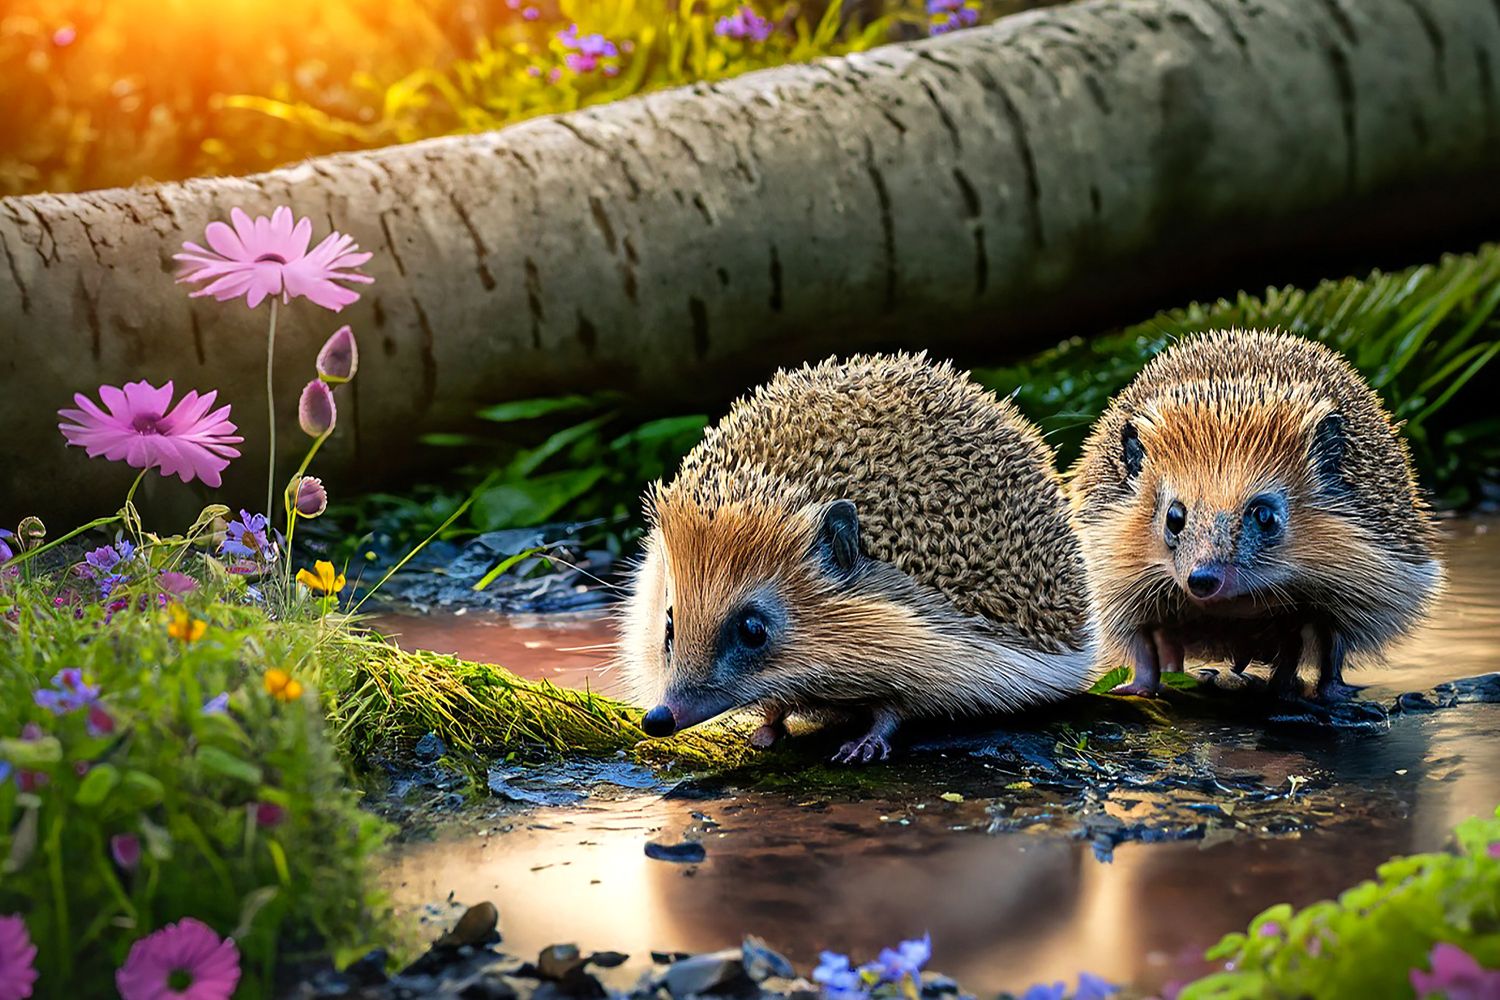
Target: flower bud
339,358
312,498
315,410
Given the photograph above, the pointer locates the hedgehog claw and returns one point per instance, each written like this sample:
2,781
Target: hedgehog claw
863,751
1137,689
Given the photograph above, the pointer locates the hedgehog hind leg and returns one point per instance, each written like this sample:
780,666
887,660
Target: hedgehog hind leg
1288,657
1332,648
874,745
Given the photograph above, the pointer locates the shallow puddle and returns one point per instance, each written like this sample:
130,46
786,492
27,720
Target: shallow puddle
828,870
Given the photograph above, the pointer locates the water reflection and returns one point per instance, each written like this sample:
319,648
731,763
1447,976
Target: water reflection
1003,910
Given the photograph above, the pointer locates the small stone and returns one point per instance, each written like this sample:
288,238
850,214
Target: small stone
761,963
714,972
476,927
608,959
559,960
687,852
430,748
488,987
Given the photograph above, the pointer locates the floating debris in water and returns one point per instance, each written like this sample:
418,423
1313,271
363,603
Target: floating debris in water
687,852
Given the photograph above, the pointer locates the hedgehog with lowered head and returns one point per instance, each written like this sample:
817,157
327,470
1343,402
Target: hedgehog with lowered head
878,538
1248,498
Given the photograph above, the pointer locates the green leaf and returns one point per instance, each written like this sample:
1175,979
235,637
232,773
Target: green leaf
1110,681
96,785
218,761
504,565
144,790
531,501
531,409
33,755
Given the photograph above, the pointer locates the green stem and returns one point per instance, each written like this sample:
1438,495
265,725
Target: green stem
271,411
412,554
290,500
30,554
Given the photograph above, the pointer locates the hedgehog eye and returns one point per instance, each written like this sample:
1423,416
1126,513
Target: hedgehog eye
752,630
668,640
1265,516
1176,521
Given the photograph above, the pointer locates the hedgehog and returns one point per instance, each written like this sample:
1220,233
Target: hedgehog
1247,498
877,539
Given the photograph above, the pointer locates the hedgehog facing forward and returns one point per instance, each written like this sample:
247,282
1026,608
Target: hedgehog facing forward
879,538
1247,497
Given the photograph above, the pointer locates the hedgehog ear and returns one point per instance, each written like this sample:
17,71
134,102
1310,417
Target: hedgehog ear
838,539
1327,450
1132,452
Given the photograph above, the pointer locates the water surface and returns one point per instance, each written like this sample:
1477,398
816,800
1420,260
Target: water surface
813,870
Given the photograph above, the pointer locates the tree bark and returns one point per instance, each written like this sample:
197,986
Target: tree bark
971,194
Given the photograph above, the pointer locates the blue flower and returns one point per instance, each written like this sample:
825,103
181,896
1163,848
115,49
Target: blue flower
246,538
6,552
68,693
5,770
840,982
1045,991
1091,987
906,959
217,705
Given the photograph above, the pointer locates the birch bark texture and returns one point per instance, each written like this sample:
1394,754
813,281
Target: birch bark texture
677,244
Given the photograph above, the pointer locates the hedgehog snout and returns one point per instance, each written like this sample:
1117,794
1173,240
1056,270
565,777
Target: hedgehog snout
659,722
1206,581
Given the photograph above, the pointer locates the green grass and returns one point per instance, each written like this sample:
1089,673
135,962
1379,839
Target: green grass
1421,336
1365,942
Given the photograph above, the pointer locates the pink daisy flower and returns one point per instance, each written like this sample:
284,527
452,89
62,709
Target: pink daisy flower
182,961
140,426
17,959
262,257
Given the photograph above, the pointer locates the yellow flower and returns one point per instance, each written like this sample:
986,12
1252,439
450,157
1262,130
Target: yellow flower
184,627
321,578
281,685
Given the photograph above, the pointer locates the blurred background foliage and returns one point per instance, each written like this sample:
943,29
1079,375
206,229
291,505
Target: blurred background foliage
104,93
1426,338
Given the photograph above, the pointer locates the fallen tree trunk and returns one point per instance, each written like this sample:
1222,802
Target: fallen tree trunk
947,193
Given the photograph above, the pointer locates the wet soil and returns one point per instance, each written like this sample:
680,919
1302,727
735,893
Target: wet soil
1097,838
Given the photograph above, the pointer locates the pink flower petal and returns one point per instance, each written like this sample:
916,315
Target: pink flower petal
224,241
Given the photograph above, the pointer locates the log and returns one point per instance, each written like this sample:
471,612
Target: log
974,194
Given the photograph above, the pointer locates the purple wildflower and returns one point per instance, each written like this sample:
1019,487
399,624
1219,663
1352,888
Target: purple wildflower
246,541
17,959
68,693
1456,975
906,959
125,848
99,722
268,814
531,13
184,960
6,552
839,980
217,705
1494,850
589,51
744,25
950,15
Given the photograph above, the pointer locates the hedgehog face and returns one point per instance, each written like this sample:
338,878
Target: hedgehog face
713,614
1226,488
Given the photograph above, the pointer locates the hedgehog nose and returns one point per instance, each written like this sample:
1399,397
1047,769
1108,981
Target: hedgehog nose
659,722
1205,581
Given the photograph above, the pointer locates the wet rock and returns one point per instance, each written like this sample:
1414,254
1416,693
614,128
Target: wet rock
502,782
1347,716
687,852
1484,689
608,959
487,986
430,748
934,985
718,973
476,927
559,961
762,963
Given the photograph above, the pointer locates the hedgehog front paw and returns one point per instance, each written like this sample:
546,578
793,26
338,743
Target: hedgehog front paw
867,749
1138,689
766,735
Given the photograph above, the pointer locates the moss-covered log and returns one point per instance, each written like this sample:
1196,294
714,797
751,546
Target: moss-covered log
947,193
